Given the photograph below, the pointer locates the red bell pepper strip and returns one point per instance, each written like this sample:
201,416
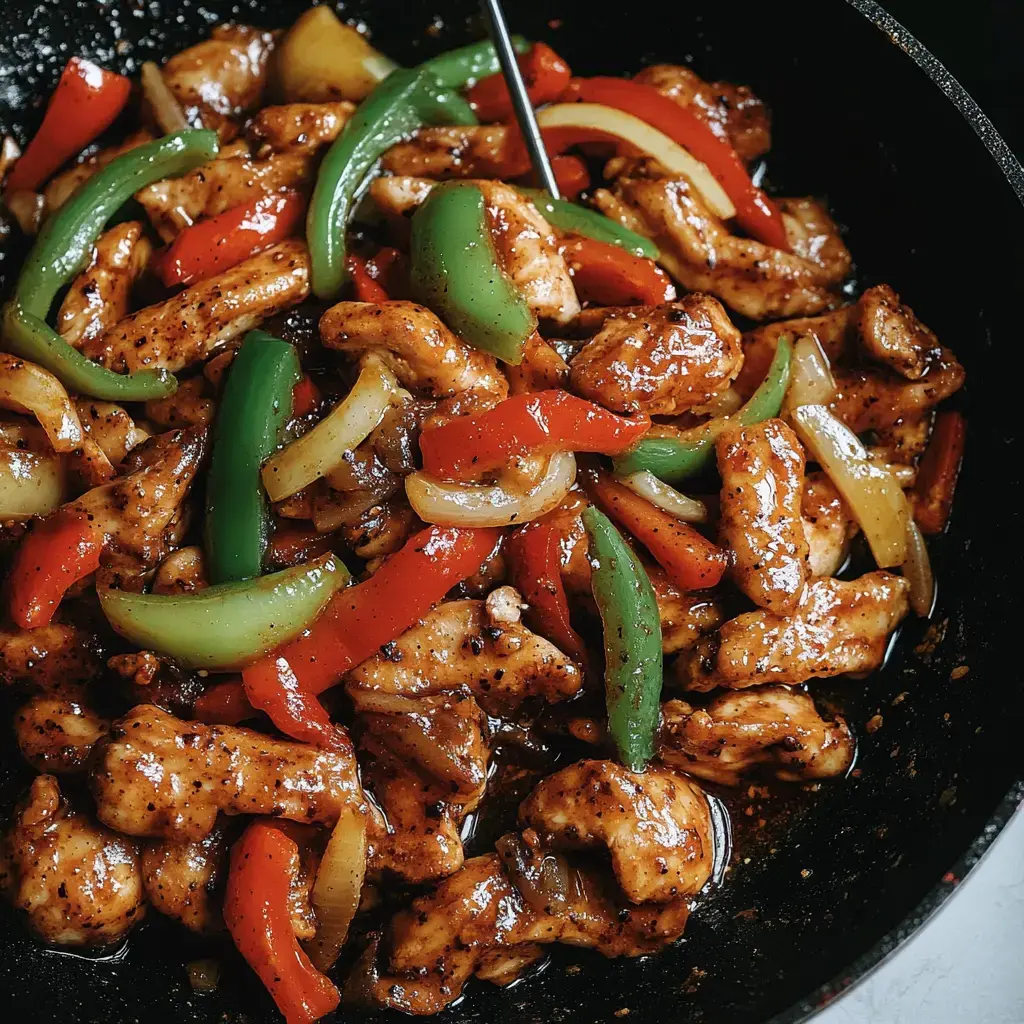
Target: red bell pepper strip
390,269
366,289
571,175
359,620
218,243
84,104
257,915
691,561
545,73
539,423
607,275
938,472
306,397
755,212
535,555
60,551
224,703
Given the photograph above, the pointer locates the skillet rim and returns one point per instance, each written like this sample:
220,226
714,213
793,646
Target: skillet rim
892,942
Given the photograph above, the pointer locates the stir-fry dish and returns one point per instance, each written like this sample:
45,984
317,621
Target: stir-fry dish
401,562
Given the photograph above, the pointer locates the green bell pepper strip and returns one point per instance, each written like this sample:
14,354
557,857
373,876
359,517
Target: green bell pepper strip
254,408
673,459
580,220
62,250
632,640
230,625
455,271
457,68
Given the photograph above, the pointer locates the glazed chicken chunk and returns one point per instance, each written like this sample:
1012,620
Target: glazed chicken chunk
160,776
56,659
56,735
303,127
76,882
766,725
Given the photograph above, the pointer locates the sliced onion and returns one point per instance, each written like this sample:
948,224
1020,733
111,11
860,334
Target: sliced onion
811,381
379,66
333,511
435,501
639,133
166,108
872,494
382,703
25,387
918,570
338,887
346,426
657,492
30,484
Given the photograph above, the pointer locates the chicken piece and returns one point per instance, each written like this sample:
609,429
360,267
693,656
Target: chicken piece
221,77
769,725
160,776
477,921
182,572
471,151
828,525
189,406
892,335
183,878
232,179
55,659
56,735
189,326
656,825
61,186
111,427
457,645
77,883
750,277
400,194
138,511
661,360
101,294
382,529
542,368
297,127
413,342
685,618
840,626
762,471
732,112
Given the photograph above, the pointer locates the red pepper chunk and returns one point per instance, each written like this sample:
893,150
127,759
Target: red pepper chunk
755,212
257,915
537,574
691,561
223,703
59,552
938,472
545,74
219,243
539,423
306,397
84,104
366,289
571,175
607,275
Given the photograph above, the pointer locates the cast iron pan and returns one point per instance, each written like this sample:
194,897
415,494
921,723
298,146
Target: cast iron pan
829,885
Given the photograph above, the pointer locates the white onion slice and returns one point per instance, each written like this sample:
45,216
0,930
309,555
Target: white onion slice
30,484
166,108
25,387
657,492
445,504
918,570
811,381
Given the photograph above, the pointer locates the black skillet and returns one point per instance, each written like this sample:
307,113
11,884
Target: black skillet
926,189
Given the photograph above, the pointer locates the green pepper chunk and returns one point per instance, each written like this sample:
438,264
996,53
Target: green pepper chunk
632,640
455,271
457,68
230,625
568,216
673,459
255,406
62,250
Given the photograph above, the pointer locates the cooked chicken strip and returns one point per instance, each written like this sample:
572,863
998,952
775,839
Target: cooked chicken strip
222,76
399,195
732,112
232,179
414,343
840,626
110,427
474,151
457,645
191,325
661,360
828,525
542,368
182,572
55,659
189,406
101,294
656,825
137,512
62,185
77,883
160,776
770,725
57,735
297,126
754,279
762,471
892,335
